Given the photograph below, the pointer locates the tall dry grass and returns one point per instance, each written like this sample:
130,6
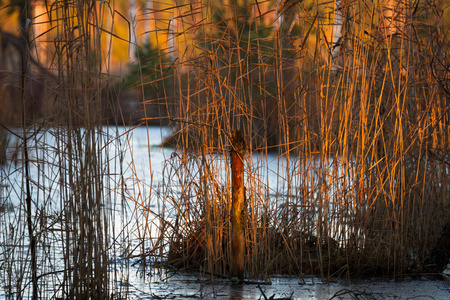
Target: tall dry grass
345,108
63,171
352,99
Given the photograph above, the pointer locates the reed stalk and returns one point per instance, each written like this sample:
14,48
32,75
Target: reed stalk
28,200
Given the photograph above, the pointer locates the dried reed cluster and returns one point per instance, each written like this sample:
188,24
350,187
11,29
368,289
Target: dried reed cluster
351,97
63,182
345,104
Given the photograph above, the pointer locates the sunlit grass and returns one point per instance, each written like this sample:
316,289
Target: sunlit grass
347,127
358,186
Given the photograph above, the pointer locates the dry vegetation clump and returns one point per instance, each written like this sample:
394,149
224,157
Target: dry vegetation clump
56,243
352,100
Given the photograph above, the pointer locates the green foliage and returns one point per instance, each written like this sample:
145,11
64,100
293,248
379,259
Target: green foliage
152,71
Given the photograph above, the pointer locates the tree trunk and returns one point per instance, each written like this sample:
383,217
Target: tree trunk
239,209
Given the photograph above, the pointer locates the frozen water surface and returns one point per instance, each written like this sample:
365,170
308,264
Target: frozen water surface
189,286
131,282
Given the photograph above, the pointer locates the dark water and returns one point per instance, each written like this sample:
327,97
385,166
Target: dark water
189,286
